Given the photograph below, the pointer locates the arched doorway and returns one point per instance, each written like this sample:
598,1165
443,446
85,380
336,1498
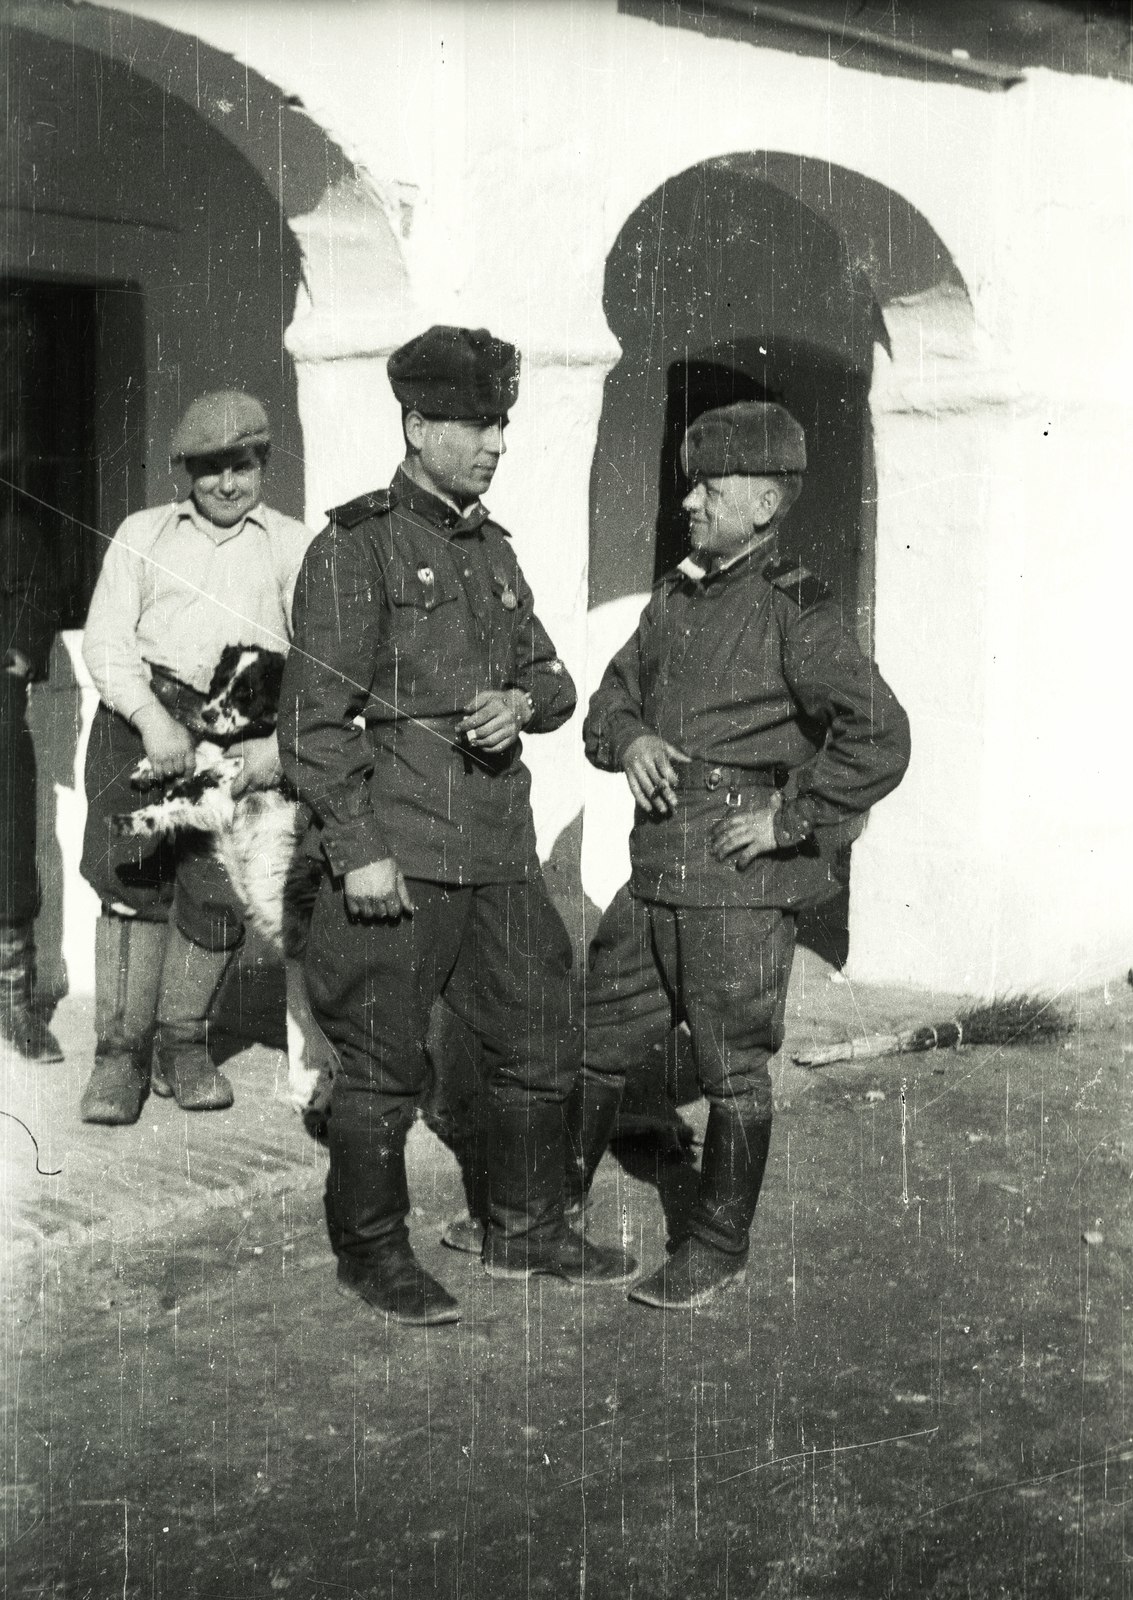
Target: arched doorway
758,275
147,203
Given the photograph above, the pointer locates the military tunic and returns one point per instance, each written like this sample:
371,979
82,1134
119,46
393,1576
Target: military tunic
403,610
749,671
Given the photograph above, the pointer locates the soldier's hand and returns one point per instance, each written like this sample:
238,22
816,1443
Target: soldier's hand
495,719
169,744
377,891
650,773
16,664
746,834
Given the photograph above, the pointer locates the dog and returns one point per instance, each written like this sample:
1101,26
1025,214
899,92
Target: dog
257,836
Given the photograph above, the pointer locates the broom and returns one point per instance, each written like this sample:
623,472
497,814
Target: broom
1009,1019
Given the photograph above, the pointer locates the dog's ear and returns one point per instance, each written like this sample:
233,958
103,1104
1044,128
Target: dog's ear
229,656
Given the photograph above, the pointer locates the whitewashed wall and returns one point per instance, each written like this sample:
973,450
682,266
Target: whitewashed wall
508,143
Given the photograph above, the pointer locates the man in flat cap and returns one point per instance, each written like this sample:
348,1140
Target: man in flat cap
754,737
179,582
419,661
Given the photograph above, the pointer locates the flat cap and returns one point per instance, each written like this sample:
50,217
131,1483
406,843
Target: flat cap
747,439
225,420
456,372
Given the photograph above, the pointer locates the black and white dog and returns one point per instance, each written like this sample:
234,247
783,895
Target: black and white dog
257,836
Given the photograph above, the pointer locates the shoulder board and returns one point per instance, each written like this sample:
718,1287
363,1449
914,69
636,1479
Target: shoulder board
797,583
375,504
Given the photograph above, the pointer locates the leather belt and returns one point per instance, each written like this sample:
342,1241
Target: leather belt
698,776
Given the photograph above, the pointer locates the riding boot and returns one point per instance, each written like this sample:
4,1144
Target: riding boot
21,1024
367,1210
190,982
589,1115
128,956
731,1174
527,1233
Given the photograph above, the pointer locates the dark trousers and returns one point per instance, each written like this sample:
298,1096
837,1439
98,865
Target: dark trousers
497,952
141,874
19,883
722,970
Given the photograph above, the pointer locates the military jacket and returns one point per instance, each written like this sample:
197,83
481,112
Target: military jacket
403,610
750,671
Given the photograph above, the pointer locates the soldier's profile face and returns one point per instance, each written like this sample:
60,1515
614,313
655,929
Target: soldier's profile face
459,455
227,486
725,514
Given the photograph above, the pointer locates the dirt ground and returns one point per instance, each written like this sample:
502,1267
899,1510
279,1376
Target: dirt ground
919,1391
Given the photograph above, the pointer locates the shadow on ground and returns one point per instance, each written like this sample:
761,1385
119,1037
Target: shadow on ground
919,1391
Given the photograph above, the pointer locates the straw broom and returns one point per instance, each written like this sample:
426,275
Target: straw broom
1009,1019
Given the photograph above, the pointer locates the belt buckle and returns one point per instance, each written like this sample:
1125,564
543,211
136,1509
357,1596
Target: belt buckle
713,779
733,799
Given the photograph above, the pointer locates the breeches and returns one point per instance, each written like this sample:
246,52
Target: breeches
497,952
140,874
722,970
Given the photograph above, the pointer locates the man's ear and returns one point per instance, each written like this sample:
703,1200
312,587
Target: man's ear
414,429
767,503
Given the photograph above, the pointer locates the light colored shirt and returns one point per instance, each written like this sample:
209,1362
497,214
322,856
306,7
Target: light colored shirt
175,589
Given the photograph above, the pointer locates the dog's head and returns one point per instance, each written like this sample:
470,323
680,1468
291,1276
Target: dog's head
243,696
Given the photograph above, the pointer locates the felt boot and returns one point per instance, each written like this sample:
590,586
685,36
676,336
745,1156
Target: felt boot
128,957
190,981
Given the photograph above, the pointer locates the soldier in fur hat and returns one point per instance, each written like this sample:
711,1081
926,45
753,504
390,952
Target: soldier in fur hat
754,737
419,661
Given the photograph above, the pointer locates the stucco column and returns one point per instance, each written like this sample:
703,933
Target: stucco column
922,887
542,495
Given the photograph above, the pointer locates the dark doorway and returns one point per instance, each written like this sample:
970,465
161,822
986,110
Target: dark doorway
74,421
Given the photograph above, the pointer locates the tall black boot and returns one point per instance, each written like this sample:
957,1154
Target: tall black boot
128,957
731,1175
20,1023
527,1232
367,1207
589,1114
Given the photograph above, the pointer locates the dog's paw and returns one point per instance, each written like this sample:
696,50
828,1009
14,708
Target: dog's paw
143,775
125,826
311,1065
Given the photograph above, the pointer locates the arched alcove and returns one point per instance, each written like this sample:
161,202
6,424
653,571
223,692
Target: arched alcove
165,211
753,275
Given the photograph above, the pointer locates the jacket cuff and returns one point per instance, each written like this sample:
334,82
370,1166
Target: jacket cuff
348,845
793,823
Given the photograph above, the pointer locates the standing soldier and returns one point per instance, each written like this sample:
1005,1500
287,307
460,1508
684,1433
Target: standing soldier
418,660
754,737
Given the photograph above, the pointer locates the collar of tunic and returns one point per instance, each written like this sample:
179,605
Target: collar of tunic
405,491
